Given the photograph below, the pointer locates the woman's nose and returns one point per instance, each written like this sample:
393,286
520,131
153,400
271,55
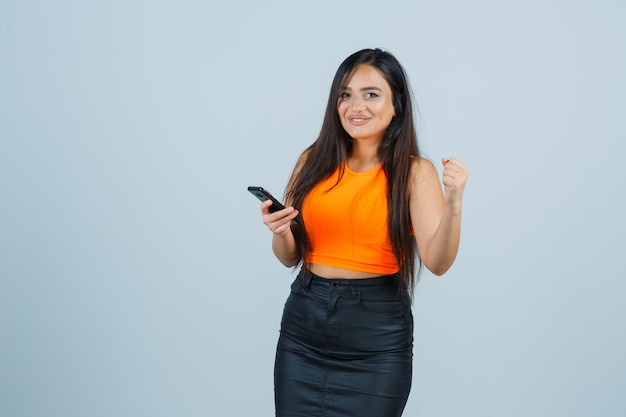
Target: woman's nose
358,104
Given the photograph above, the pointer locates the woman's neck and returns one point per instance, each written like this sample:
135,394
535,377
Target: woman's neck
363,157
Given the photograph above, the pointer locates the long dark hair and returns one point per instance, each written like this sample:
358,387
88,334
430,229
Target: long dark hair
331,149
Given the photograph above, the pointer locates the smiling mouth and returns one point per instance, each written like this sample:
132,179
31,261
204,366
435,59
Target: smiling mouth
358,120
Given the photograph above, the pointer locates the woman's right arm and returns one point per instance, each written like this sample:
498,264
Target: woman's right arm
283,241
284,244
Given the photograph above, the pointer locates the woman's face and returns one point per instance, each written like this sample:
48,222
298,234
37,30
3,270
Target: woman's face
365,104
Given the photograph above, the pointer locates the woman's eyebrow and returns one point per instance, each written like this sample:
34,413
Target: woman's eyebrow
363,89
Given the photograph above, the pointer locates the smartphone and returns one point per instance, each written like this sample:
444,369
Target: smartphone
262,194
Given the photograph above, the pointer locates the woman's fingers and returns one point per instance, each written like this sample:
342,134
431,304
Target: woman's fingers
278,222
454,176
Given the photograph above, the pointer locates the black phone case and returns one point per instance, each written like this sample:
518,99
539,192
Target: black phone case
262,195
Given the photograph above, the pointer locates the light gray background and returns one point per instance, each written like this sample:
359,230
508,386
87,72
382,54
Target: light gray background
136,277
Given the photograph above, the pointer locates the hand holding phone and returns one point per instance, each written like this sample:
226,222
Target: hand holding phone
263,195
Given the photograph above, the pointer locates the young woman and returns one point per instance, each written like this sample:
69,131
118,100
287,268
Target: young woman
368,204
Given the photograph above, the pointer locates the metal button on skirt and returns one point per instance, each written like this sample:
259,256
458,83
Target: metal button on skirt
345,348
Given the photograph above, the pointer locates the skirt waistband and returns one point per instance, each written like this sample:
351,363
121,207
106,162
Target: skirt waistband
308,279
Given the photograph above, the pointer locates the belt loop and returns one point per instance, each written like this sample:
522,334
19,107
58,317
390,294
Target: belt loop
305,276
355,290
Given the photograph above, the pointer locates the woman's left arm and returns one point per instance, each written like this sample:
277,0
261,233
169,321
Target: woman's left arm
436,215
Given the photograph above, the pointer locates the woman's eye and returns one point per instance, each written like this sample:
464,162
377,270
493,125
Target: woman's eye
344,96
371,95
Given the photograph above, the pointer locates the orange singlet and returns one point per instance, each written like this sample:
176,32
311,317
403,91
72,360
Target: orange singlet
347,224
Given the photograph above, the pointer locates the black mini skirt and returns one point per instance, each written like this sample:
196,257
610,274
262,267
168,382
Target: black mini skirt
345,348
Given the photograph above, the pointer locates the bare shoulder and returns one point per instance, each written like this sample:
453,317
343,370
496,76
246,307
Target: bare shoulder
426,198
422,170
300,162
303,157
296,171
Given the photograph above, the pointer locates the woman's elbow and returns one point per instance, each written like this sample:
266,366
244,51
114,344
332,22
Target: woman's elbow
289,264
437,269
